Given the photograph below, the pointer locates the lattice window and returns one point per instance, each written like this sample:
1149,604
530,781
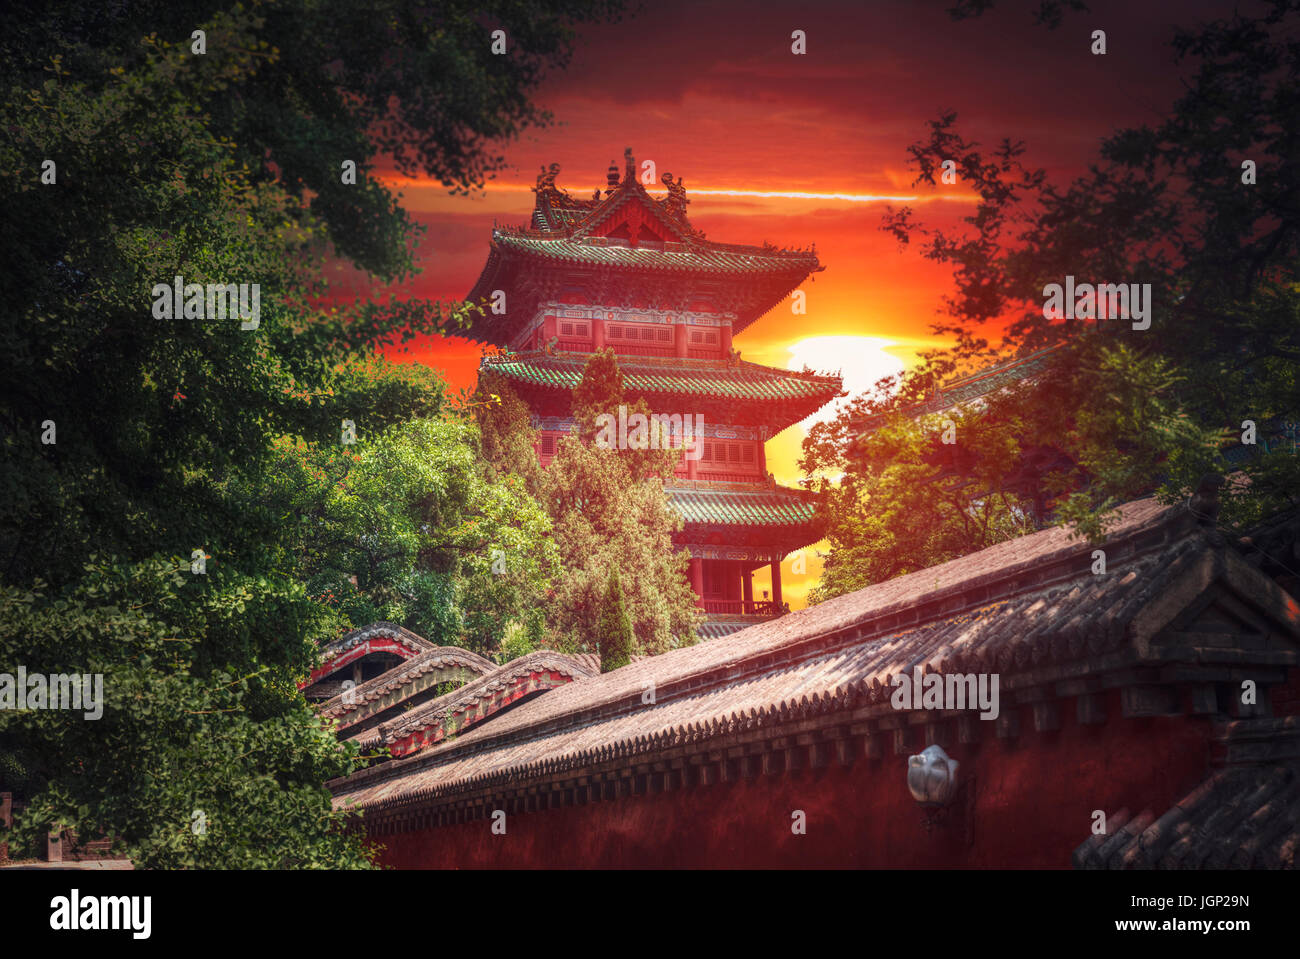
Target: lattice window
717,454
704,337
548,444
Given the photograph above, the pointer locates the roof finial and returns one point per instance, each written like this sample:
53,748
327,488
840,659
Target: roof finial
1205,502
629,165
612,176
546,179
676,200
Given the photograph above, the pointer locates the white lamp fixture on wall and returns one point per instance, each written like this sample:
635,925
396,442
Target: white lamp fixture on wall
932,778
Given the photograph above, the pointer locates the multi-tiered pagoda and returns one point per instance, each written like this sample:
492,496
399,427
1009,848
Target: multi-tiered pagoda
627,271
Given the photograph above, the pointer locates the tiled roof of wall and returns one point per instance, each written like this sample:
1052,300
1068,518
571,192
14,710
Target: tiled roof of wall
467,696
431,660
362,633
1020,605
1244,815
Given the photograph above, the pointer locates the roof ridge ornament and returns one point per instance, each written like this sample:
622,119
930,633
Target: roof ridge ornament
675,202
1205,503
629,166
546,180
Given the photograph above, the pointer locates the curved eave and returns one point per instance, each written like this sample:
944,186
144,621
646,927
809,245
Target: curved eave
502,260
776,413
490,328
770,396
779,515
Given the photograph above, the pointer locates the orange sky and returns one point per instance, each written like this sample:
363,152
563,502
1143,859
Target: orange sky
711,93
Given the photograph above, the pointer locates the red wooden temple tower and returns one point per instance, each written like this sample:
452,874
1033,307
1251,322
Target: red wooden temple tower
627,271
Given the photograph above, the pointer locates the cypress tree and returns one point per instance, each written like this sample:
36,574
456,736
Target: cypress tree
615,630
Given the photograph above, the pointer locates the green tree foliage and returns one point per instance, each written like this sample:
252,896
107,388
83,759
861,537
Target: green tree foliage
609,514
293,89
895,511
220,168
1117,412
505,426
187,767
406,527
615,630
600,394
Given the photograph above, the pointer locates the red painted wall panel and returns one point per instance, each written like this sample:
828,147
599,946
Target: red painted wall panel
1034,800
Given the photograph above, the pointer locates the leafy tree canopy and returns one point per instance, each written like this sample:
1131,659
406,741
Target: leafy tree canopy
146,538
1115,412
610,515
406,527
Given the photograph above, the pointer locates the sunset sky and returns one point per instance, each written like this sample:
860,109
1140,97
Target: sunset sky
810,149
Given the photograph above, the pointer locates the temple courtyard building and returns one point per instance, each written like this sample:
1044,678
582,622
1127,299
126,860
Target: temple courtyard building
627,272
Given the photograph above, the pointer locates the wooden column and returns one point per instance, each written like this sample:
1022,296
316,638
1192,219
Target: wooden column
776,581
548,329
681,338
725,338
697,580
597,334
747,581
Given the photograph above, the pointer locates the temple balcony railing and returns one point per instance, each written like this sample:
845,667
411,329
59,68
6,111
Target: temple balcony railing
717,476
739,607
624,348
713,476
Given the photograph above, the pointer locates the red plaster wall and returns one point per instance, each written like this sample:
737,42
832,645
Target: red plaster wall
1034,803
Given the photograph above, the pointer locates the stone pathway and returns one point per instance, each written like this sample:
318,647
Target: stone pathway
86,864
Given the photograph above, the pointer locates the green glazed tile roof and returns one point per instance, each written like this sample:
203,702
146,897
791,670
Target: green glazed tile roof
989,380
758,507
555,218
573,241
670,376
694,257
973,386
